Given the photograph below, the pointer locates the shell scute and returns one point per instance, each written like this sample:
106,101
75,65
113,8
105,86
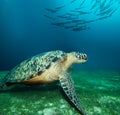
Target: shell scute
34,66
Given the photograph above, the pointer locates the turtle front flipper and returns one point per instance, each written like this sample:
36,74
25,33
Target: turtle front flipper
68,87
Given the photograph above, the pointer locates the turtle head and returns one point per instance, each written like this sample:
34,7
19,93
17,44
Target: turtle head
74,57
79,57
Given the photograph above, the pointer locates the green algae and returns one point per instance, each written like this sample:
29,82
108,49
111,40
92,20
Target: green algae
98,91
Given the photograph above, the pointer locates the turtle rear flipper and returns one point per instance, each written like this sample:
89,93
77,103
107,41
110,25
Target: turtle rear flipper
3,84
68,87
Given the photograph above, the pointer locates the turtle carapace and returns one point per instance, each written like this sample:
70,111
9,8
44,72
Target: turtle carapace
48,67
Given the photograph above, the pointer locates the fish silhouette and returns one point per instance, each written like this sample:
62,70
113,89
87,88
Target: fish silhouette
77,18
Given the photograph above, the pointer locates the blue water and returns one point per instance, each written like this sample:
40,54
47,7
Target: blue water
25,32
30,27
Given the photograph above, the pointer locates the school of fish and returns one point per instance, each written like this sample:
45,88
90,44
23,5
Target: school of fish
78,14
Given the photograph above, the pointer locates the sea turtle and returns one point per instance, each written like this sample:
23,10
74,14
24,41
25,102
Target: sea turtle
45,68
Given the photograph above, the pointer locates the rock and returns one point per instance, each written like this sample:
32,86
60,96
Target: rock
62,106
97,109
49,111
50,104
39,112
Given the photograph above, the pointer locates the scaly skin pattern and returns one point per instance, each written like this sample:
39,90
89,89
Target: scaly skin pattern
34,66
55,71
46,68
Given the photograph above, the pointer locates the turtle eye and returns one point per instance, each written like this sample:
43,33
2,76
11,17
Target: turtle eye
78,55
84,56
81,56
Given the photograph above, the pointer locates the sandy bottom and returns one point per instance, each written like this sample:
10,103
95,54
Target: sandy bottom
98,91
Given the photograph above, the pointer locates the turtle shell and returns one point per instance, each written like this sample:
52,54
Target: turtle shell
34,66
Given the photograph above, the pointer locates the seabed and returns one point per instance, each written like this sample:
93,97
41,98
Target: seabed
98,92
